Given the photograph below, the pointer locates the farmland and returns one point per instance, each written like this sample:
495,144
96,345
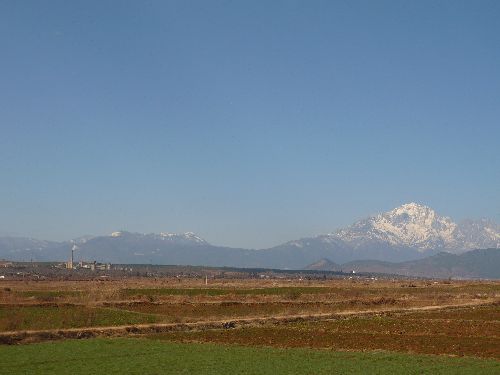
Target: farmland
423,324
142,356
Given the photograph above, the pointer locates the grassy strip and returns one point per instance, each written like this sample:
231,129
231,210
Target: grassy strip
221,292
142,356
53,317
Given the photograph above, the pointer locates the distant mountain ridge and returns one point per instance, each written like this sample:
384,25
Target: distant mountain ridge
412,226
408,232
483,263
324,265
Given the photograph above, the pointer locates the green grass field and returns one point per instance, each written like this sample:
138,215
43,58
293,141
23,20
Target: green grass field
53,317
150,356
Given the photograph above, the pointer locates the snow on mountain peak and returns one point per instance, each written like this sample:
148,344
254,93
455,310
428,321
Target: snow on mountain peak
181,238
188,236
419,226
415,225
413,209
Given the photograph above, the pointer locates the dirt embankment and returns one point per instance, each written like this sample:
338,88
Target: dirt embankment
16,337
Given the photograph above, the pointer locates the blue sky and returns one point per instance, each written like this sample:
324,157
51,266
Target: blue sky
248,122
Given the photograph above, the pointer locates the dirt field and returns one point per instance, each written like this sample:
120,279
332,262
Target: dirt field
443,332
432,317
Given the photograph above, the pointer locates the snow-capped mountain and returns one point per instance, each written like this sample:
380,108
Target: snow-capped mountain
409,225
188,238
118,247
420,227
408,232
129,247
479,234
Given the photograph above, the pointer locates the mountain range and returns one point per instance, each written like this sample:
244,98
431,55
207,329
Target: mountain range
483,263
408,232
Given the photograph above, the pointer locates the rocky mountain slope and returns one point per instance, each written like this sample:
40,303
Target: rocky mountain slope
408,232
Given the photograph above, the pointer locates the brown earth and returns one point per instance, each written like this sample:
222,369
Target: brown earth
420,331
424,316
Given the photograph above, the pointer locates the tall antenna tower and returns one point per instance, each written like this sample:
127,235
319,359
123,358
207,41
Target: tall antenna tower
70,263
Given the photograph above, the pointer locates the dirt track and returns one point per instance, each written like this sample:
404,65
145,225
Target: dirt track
15,337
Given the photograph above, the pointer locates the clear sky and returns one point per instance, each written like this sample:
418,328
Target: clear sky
248,122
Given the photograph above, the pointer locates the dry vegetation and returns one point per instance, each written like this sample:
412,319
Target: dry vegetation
357,314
